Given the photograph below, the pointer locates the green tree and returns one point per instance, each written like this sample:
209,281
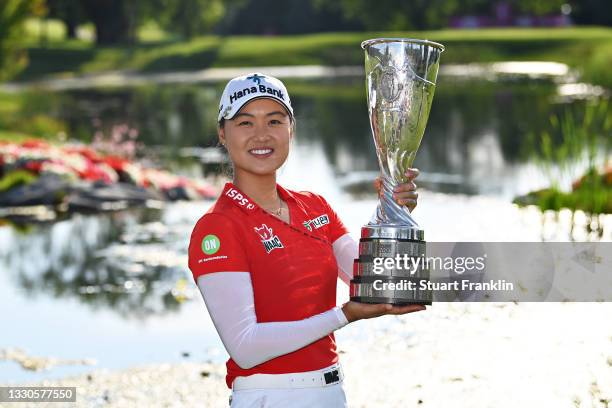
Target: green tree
12,15
283,17
396,14
69,12
189,18
540,7
431,14
115,21
592,12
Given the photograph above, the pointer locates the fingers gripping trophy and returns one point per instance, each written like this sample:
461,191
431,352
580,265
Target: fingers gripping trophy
400,82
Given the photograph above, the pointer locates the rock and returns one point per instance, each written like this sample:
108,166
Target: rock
101,197
48,189
180,193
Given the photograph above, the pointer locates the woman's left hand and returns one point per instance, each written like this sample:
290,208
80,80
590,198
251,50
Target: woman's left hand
404,193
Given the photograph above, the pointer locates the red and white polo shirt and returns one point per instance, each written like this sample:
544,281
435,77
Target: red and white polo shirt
292,266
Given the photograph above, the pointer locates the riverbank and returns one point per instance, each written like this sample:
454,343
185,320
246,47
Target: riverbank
554,72
40,181
585,49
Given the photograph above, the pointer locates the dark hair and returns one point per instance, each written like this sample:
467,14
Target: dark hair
221,123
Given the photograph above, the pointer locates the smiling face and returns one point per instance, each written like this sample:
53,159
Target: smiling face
257,138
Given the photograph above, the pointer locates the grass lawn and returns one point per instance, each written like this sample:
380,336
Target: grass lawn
588,49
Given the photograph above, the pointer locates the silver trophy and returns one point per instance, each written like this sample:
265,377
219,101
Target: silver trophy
400,82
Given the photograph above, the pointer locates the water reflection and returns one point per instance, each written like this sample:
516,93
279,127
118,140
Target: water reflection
112,287
475,143
131,265
475,135
125,261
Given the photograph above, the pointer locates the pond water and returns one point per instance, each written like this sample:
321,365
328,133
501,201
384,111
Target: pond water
476,141
115,287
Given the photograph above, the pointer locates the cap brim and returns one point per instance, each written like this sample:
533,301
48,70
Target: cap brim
280,102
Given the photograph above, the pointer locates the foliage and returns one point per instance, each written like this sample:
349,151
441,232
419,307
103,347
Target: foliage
15,178
118,21
115,21
30,114
592,12
593,196
396,14
12,15
578,136
69,12
272,17
189,18
428,14
585,49
577,139
541,7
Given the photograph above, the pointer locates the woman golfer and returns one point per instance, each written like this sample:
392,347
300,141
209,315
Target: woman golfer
266,260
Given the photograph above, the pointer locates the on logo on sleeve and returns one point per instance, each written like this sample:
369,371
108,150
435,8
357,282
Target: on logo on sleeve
210,244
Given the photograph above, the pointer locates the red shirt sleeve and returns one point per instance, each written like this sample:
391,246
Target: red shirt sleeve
215,247
336,226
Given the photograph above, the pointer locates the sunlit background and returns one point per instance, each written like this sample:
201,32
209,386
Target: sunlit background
520,114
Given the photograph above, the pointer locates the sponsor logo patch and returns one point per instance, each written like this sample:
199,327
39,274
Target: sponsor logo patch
210,244
268,239
317,222
256,89
239,199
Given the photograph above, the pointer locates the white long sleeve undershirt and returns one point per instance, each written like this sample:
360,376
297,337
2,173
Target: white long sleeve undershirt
229,300
346,249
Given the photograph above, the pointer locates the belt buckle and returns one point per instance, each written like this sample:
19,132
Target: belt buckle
332,376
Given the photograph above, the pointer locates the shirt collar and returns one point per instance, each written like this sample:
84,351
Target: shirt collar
235,196
284,193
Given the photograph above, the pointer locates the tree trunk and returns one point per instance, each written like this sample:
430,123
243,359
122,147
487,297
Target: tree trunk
71,21
112,21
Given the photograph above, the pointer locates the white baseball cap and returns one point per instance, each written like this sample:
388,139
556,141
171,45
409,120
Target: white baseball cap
245,88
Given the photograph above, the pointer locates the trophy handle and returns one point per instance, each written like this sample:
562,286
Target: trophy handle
389,212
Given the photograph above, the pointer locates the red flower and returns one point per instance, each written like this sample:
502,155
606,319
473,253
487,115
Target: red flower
86,152
33,166
35,144
117,163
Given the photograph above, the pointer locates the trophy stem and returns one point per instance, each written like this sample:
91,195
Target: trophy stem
389,212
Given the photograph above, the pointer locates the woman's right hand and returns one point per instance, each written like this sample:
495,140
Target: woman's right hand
356,311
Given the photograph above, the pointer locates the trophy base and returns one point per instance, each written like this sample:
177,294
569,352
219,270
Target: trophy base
391,301
388,269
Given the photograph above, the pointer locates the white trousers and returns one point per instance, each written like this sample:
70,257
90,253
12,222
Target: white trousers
331,396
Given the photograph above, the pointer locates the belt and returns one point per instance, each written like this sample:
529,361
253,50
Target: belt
318,378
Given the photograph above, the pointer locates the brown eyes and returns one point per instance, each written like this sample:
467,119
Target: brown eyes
272,122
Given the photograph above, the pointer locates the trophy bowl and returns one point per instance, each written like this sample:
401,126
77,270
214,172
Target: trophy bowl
400,83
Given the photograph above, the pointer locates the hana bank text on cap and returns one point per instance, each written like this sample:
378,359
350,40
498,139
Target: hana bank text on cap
243,89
